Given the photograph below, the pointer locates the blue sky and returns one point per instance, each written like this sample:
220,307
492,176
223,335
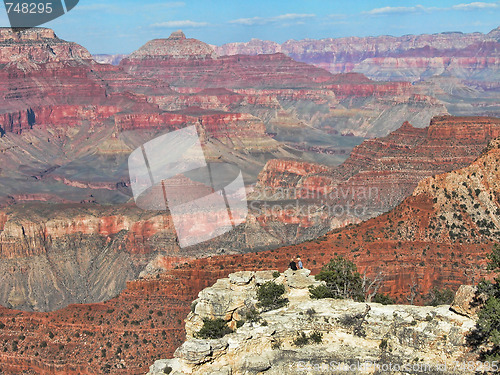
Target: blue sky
122,26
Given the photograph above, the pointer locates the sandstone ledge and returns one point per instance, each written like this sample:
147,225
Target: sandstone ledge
391,334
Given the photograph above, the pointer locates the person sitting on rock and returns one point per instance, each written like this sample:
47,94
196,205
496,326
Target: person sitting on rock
292,265
299,263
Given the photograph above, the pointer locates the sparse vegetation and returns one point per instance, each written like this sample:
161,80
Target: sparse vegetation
355,321
270,296
276,344
213,329
310,312
486,336
384,299
342,281
383,344
438,297
303,339
252,315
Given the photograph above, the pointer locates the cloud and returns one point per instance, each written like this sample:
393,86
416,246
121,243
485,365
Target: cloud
476,6
298,17
293,16
397,10
420,8
183,23
249,21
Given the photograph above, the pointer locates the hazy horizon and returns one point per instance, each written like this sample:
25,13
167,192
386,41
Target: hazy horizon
123,26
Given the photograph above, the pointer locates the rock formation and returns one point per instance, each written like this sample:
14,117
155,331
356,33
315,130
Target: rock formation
177,46
376,177
68,235
380,172
371,336
37,45
467,63
190,67
410,57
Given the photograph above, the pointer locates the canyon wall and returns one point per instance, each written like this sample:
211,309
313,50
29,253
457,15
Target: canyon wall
408,57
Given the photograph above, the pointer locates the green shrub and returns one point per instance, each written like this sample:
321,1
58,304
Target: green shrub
488,324
252,315
303,339
167,370
276,274
320,291
276,344
485,338
384,299
316,337
342,281
438,297
213,329
270,295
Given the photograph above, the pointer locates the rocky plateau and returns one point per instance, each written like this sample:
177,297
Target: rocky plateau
372,338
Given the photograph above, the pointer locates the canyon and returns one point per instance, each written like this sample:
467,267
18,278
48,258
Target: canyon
92,284
380,172
292,202
461,70
471,56
463,65
385,57
419,244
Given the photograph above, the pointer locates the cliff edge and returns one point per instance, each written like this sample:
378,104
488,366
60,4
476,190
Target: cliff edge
338,333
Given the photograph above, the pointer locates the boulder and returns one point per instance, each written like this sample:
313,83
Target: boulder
263,276
158,367
466,302
241,278
255,363
299,279
194,351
